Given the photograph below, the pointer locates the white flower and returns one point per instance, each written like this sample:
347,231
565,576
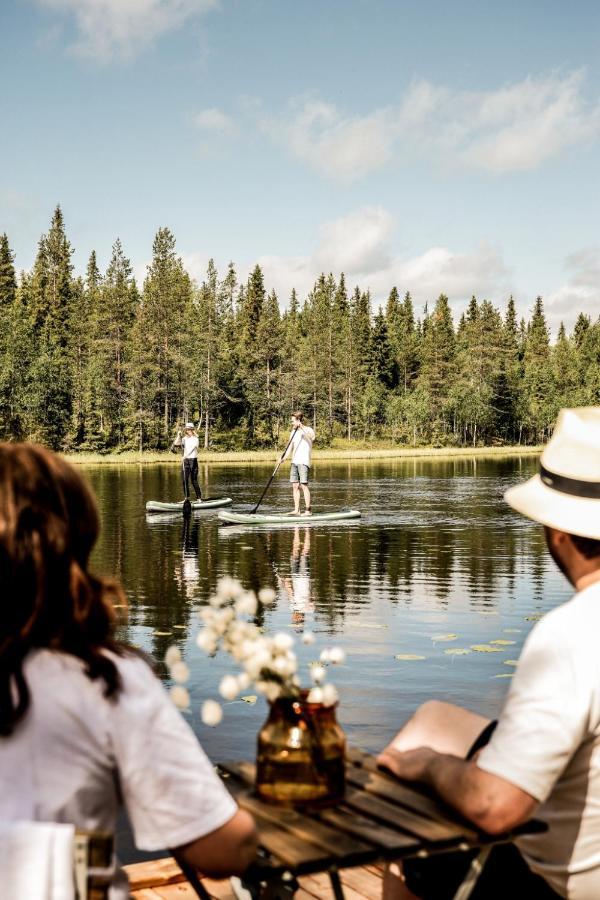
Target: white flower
229,687
222,619
270,689
180,672
315,695
228,589
282,642
207,640
317,673
308,637
180,696
211,713
172,655
244,681
325,656
247,604
267,596
330,694
285,665
257,662
337,656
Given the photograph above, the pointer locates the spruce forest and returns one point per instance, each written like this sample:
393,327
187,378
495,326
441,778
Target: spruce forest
101,364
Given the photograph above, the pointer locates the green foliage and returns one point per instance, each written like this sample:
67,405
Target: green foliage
93,364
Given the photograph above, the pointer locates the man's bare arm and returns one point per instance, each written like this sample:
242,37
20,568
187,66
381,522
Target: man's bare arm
492,803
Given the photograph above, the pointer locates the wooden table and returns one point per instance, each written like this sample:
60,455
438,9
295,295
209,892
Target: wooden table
380,819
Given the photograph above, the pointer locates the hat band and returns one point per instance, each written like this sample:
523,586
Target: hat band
572,486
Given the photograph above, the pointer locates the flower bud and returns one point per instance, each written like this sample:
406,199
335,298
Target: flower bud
229,687
211,713
180,696
180,672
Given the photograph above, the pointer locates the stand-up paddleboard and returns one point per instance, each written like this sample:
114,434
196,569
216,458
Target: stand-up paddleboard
281,518
210,503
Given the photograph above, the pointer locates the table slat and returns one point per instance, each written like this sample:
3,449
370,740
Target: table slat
400,817
352,822
336,843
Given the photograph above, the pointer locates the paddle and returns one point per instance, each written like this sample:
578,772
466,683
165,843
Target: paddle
187,506
279,461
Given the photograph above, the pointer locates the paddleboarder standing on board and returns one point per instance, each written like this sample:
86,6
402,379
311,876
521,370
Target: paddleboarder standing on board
300,449
189,465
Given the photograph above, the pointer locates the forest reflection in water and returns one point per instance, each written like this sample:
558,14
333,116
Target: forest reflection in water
437,563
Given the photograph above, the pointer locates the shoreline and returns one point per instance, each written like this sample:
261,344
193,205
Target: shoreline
264,457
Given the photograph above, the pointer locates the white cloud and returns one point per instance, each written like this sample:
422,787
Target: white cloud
359,244
510,129
110,29
355,243
215,121
580,293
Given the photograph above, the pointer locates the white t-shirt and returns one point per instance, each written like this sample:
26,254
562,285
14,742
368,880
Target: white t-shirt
302,446
190,444
548,743
76,756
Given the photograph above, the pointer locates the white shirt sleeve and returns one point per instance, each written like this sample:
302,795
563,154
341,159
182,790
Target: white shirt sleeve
170,788
546,714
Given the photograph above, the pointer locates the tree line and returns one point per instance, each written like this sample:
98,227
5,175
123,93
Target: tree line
99,363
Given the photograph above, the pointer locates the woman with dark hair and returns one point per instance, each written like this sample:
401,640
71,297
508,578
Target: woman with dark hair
84,723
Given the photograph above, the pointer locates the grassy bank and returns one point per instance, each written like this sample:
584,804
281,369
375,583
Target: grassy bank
249,457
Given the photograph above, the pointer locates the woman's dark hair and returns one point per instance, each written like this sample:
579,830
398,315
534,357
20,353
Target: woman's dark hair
298,415
48,527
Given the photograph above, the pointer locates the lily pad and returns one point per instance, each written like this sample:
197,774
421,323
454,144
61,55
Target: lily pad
456,651
409,656
162,633
535,618
485,648
511,662
179,626
444,637
504,675
250,698
502,641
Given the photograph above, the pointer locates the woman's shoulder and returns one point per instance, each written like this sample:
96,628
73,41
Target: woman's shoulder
134,669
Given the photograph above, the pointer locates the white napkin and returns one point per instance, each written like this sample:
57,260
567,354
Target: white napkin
36,861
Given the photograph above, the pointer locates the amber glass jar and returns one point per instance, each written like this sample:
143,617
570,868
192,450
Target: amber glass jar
300,754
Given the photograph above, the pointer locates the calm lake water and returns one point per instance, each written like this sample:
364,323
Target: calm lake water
436,553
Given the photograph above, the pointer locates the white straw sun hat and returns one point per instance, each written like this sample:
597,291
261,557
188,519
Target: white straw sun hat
189,425
566,493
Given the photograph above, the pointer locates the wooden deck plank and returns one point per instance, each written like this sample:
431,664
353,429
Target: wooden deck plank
321,887
360,883
154,873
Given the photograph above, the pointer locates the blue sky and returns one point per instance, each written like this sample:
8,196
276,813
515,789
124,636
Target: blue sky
436,146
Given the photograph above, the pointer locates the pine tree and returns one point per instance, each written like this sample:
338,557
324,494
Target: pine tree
437,362
8,294
538,386
50,296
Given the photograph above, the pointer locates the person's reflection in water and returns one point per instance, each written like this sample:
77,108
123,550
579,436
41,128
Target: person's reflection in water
297,586
187,573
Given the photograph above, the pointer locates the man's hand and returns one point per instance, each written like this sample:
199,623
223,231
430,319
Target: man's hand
492,803
411,765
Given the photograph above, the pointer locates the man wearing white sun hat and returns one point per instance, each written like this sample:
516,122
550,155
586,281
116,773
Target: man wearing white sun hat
543,758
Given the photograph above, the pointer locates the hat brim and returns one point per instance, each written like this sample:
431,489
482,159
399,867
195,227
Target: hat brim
575,515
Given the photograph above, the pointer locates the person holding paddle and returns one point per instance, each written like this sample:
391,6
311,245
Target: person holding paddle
189,466
300,449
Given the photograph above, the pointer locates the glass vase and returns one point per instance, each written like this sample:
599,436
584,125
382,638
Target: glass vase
300,754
